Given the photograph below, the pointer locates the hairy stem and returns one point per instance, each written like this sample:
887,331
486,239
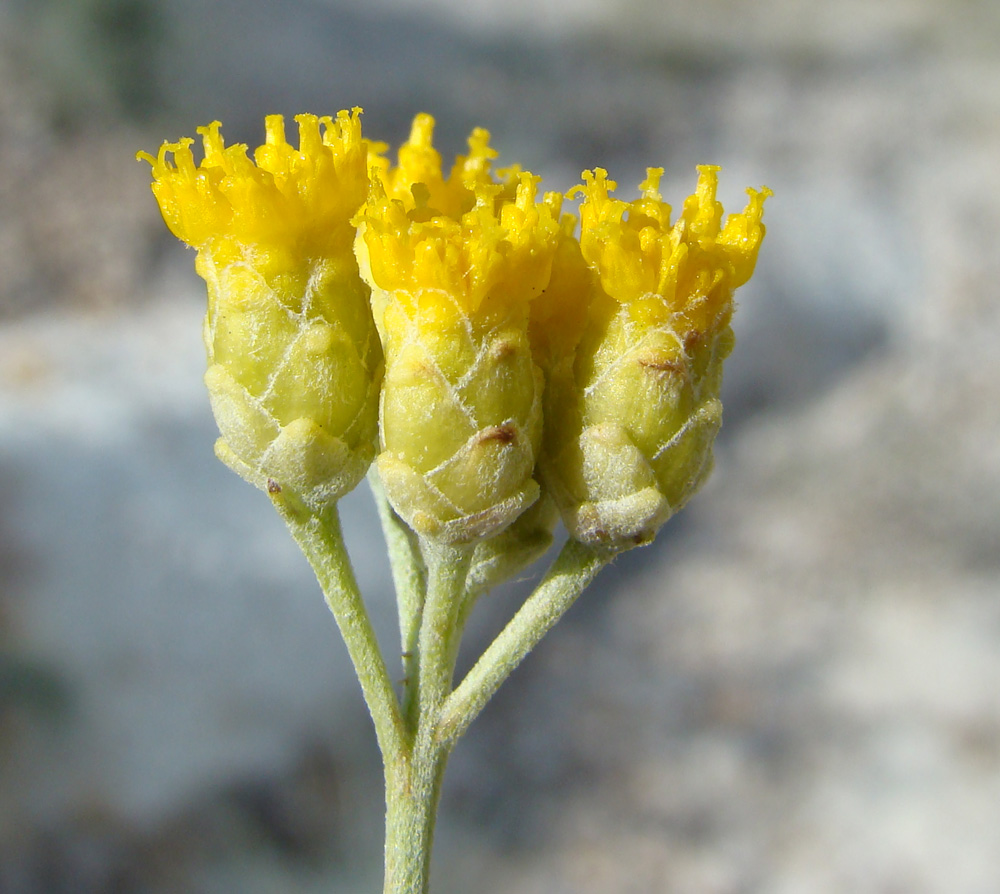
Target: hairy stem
413,786
319,537
409,578
573,570
412,792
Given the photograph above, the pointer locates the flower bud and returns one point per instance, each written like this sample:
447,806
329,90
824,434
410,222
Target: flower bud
453,265
632,406
294,360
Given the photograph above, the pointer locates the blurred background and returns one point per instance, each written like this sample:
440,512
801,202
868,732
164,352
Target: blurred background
795,689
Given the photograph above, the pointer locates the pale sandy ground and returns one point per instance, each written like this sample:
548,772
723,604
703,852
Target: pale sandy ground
797,689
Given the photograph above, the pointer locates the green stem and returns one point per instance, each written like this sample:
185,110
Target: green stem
410,581
412,792
413,785
319,537
448,567
573,570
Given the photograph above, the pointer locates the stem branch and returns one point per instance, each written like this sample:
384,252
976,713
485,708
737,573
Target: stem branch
413,785
319,537
410,581
573,570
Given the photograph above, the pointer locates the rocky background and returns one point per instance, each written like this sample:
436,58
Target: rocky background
796,689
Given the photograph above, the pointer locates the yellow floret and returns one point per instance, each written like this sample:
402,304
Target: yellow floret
419,165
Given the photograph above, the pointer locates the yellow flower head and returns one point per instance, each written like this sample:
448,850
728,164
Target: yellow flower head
294,360
454,263
631,417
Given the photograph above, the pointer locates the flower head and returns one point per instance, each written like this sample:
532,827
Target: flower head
294,358
630,425
454,264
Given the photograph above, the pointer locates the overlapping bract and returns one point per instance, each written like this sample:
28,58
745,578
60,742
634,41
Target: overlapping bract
517,358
